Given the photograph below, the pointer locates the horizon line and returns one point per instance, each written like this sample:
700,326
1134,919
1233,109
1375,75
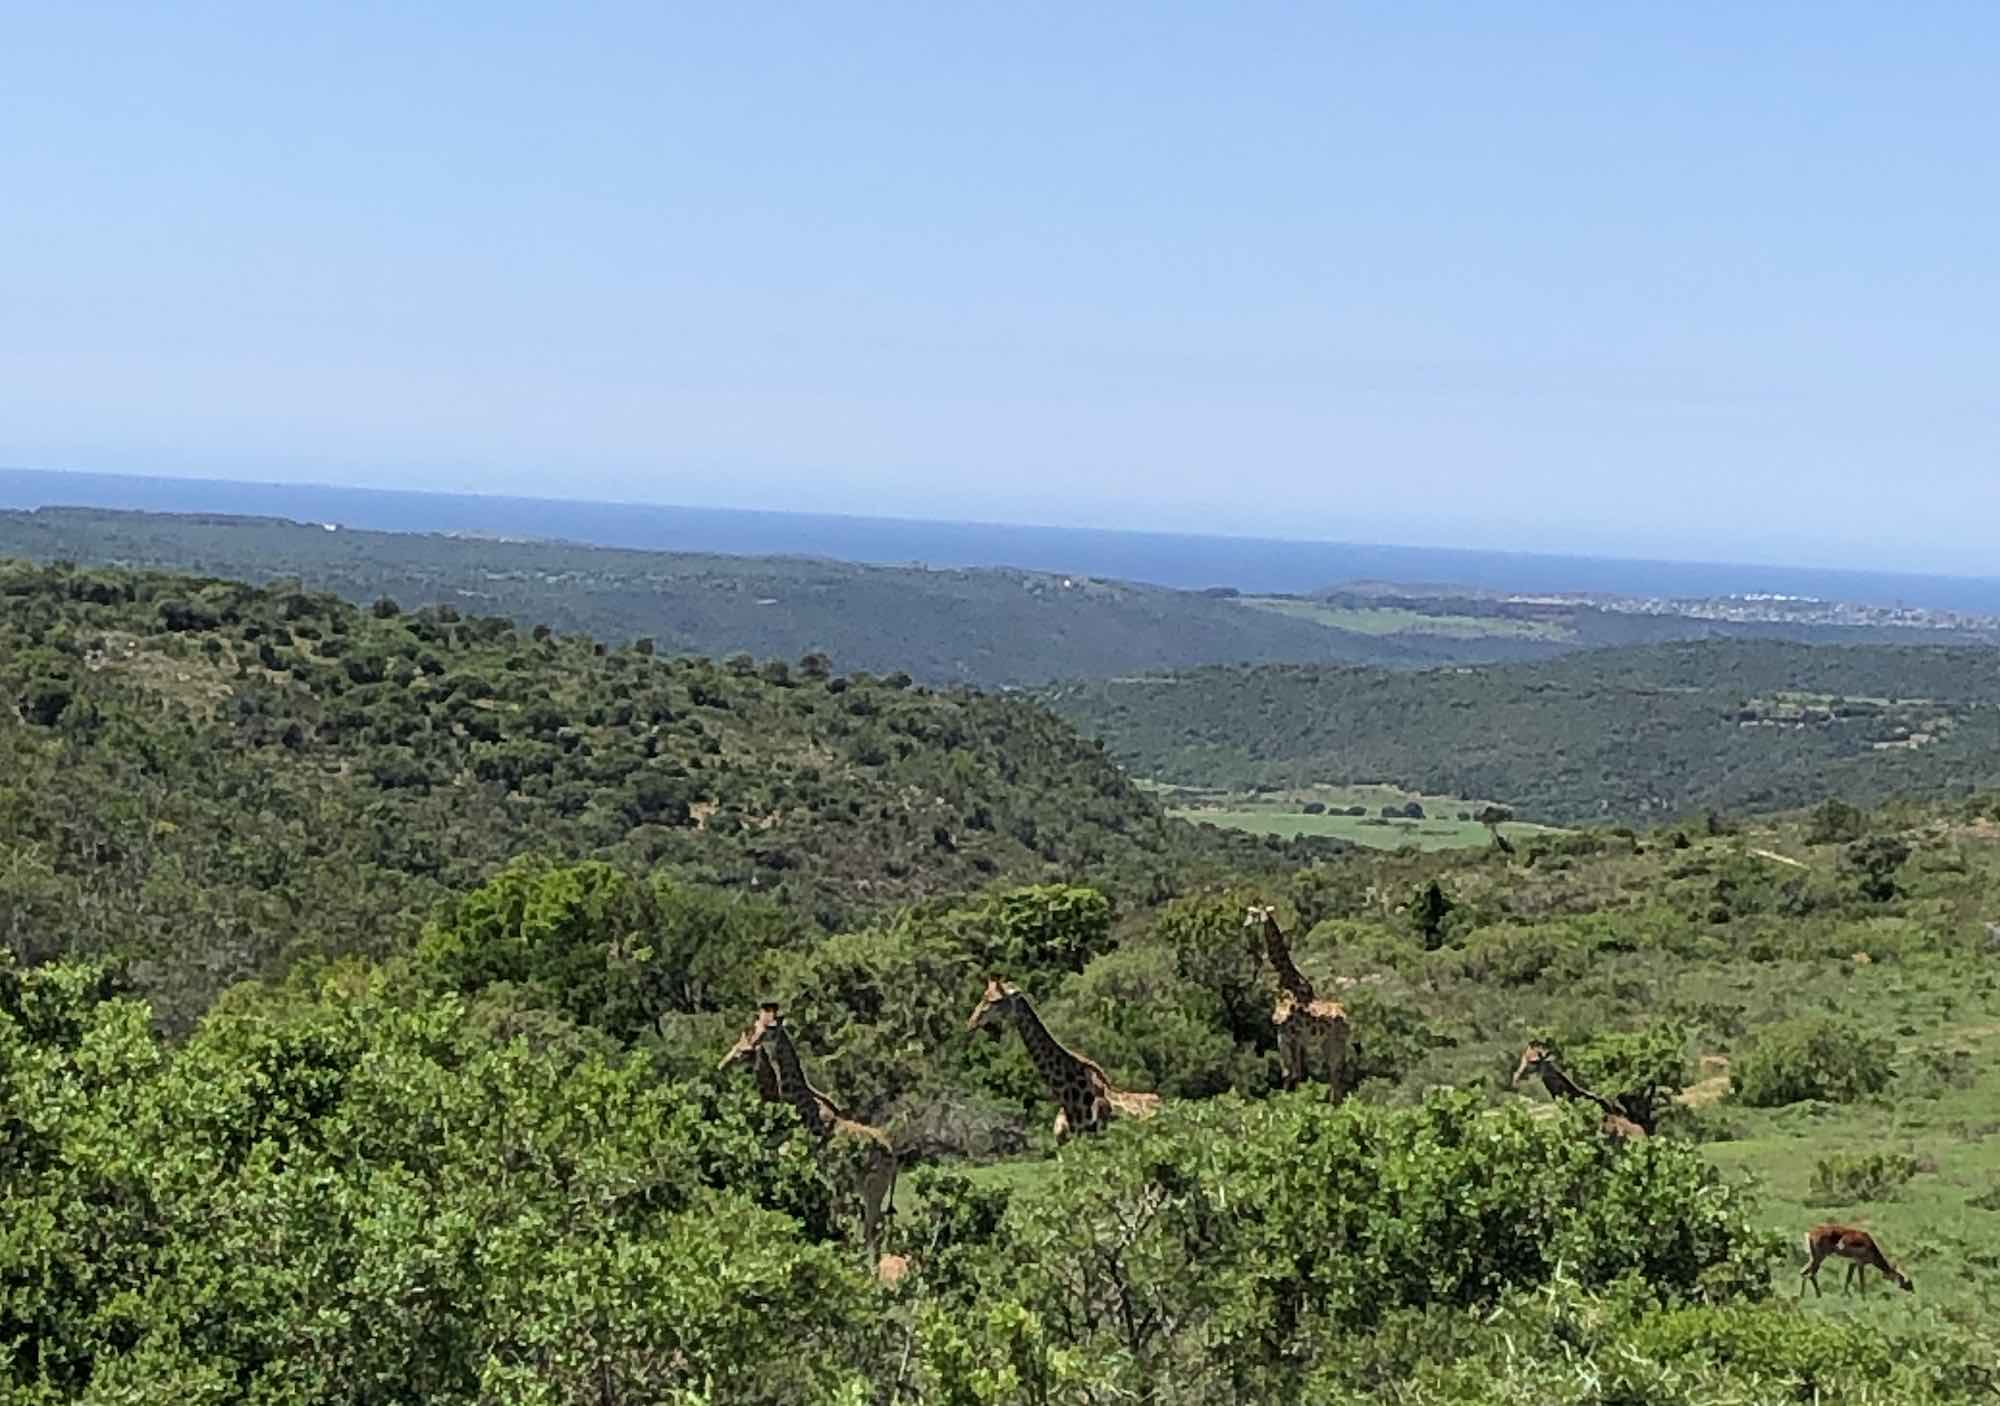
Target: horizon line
1520,553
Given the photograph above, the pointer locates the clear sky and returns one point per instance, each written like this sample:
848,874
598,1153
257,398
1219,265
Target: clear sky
1698,280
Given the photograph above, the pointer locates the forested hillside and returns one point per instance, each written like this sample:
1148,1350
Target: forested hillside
986,628
981,627
1609,734
206,776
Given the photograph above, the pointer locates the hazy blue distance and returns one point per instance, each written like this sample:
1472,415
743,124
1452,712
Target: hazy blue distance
1703,281
1187,561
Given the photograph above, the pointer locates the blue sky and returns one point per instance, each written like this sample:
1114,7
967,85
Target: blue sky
1703,280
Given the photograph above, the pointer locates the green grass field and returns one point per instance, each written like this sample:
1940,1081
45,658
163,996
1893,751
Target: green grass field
1936,1211
1283,813
1383,620
1942,1225
1372,831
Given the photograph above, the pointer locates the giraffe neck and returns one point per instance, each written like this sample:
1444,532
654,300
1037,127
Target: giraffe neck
1061,1069
792,1085
767,1077
1289,976
1559,1084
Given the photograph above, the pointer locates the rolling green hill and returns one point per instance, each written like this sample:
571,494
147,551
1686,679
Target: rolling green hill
209,777
1609,734
985,628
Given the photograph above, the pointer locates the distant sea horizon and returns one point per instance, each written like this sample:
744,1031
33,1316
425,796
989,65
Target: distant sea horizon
1179,560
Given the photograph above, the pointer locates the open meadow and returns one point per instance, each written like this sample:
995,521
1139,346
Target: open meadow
1361,815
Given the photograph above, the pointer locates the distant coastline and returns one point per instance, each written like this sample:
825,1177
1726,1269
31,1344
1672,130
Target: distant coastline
1159,558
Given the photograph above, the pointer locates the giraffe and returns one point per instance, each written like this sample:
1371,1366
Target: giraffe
781,1078
1086,1098
1537,1060
1309,1029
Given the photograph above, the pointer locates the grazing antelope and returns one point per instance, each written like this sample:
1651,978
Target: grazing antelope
1857,1247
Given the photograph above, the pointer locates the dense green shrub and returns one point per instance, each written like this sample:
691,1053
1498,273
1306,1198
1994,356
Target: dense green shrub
1873,864
1810,1057
1224,1240
1843,1177
605,948
1140,1019
353,1193
1640,1070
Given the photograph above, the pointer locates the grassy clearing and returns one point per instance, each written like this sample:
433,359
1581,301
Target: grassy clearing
1282,812
1940,1119
1373,831
1377,620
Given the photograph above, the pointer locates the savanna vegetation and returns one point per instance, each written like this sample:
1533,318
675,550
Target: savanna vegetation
478,1147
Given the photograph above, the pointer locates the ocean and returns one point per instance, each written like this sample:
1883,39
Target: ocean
1162,558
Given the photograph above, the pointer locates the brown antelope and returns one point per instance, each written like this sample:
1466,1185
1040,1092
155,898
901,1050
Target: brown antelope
1857,1247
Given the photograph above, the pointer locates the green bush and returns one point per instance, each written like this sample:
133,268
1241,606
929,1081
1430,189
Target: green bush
354,1193
1810,1057
1641,1070
1133,1013
1843,1177
1217,1245
603,947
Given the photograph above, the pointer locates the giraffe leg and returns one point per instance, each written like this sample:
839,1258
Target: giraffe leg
1062,1126
1291,1067
875,1183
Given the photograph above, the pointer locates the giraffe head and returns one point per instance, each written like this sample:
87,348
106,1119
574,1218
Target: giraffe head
747,1044
1533,1059
1000,1000
1259,914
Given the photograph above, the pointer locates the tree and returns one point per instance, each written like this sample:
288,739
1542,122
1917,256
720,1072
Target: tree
1428,911
1836,822
1873,863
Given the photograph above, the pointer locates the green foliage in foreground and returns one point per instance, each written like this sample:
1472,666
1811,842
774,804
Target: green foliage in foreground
366,1189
